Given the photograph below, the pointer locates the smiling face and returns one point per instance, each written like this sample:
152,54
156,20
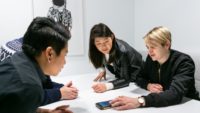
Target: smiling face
157,51
158,43
103,44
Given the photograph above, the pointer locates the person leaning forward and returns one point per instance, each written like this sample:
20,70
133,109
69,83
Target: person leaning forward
23,74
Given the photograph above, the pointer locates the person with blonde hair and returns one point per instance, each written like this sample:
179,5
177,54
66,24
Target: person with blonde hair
168,74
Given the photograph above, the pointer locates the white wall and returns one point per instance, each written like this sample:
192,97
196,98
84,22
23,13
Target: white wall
15,18
130,20
117,14
182,17
17,15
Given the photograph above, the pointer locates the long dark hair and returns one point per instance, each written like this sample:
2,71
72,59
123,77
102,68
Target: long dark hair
44,32
96,57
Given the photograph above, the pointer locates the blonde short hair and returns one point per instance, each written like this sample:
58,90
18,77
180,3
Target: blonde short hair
159,34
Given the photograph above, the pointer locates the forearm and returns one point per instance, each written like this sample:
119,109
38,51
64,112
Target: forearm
162,99
120,83
141,82
51,95
57,85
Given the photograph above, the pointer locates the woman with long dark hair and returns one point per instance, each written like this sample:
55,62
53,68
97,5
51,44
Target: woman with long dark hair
106,51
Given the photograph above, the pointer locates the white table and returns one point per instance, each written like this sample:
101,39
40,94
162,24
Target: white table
85,103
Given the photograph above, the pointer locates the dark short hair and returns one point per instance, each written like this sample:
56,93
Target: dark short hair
95,56
59,2
44,32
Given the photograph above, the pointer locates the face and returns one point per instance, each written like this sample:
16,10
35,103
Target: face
58,62
103,44
156,51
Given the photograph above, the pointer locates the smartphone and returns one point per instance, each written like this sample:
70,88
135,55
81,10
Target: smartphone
103,105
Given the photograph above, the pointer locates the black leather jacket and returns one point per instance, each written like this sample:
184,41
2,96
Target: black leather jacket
127,65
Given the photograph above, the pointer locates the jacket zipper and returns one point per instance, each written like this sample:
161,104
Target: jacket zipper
159,74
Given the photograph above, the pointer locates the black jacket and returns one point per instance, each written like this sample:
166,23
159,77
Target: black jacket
127,64
176,77
21,89
51,89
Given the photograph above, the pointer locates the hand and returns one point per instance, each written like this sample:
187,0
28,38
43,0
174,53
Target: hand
124,103
59,109
99,87
69,84
68,91
100,76
154,88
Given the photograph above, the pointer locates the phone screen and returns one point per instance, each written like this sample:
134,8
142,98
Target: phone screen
103,105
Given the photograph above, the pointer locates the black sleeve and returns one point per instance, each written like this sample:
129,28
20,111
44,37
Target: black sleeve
142,79
51,91
24,99
182,81
130,67
120,83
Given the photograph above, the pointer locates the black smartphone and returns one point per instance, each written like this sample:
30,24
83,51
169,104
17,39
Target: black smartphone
103,105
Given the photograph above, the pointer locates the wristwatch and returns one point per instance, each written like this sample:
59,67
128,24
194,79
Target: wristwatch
141,100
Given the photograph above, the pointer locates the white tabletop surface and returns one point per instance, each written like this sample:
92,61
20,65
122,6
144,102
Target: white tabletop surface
85,103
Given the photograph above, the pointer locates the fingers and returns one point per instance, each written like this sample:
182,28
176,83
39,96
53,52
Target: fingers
69,84
121,107
68,92
71,96
124,103
59,109
99,87
73,93
156,88
67,111
100,76
62,107
115,101
42,110
118,103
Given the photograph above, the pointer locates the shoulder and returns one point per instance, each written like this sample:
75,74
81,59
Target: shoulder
123,46
180,56
29,71
181,60
125,49
17,75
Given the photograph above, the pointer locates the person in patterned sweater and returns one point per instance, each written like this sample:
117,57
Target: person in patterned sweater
59,13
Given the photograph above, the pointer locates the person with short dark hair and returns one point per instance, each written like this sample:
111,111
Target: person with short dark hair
44,48
53,91
122,60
